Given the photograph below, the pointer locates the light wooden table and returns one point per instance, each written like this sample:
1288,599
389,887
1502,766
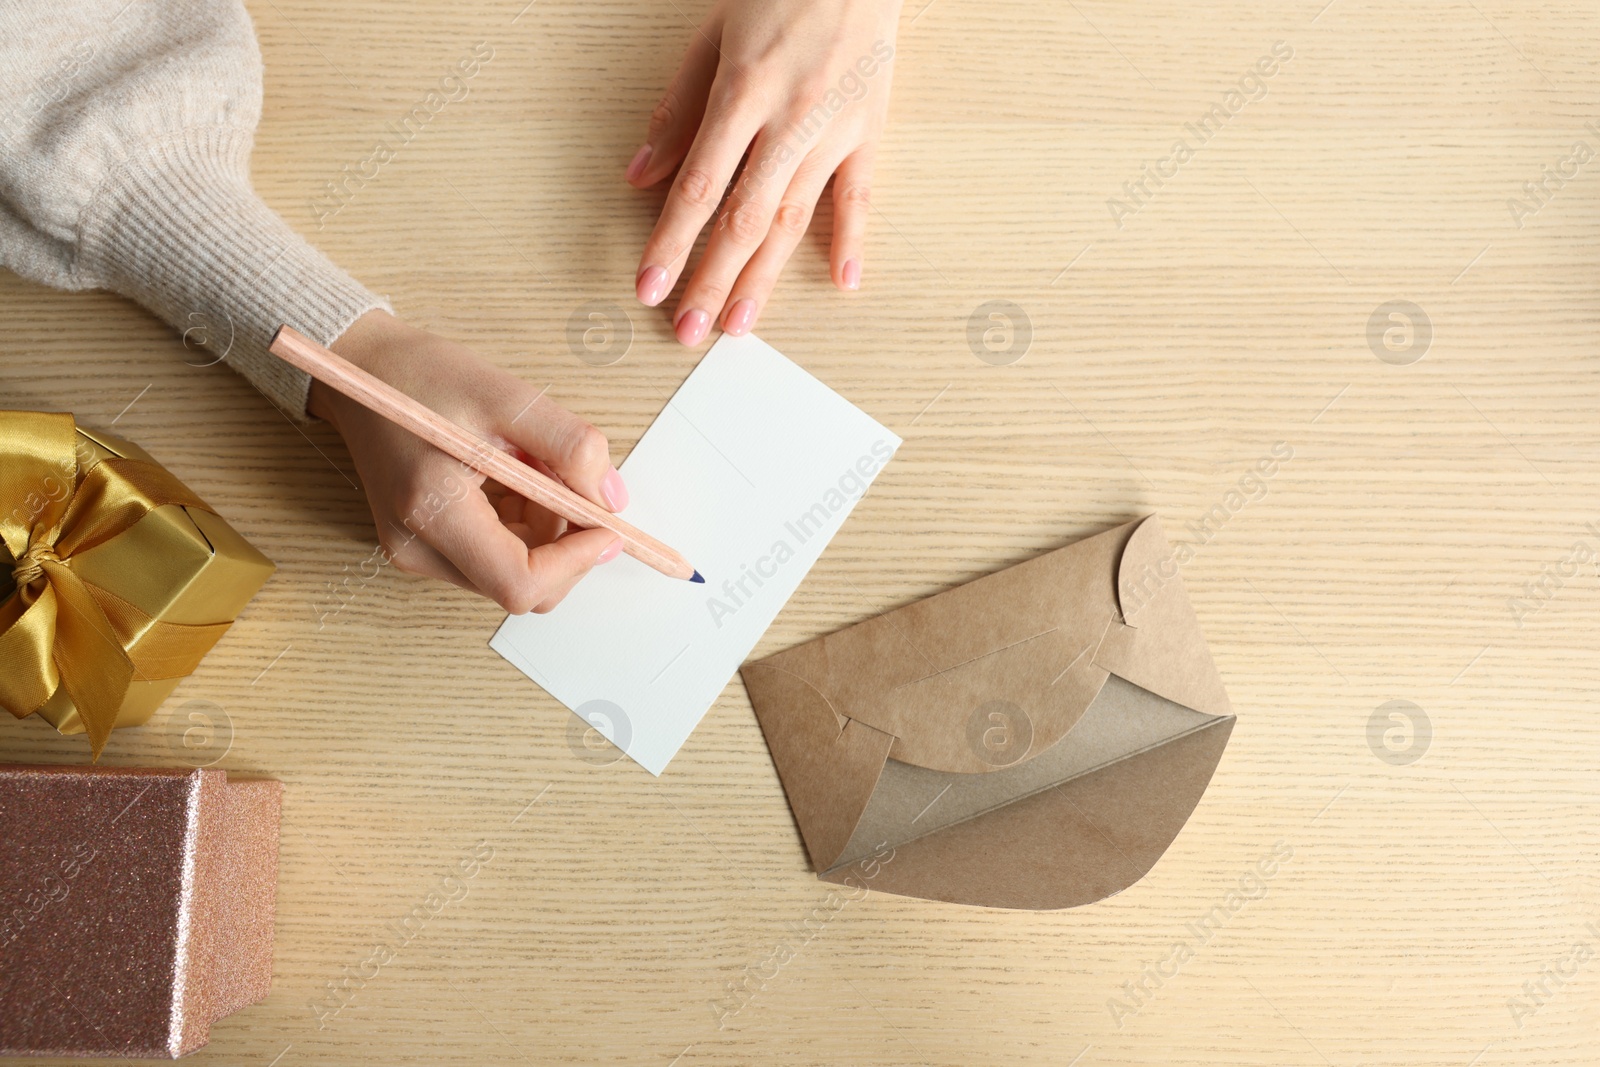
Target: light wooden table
1228,314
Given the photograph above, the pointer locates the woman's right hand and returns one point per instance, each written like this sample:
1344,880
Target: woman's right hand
436,516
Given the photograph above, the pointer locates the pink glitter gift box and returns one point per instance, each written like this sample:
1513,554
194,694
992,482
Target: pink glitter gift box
135,907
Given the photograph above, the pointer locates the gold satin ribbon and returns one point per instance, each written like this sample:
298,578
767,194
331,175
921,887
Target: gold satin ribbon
56,630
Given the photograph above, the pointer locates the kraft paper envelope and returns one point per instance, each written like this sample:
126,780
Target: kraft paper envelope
1032,739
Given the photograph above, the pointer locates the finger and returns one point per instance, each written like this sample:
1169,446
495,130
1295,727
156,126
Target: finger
541,525
676,118
754,287
516,511
574,451
530,536
730,123
742,225
470,535
852,200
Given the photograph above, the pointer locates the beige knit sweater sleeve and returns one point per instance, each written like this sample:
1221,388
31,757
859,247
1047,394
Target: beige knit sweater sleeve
125,135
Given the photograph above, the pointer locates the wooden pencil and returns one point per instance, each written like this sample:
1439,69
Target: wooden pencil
338,373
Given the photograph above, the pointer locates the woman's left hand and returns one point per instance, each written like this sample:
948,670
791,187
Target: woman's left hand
803,87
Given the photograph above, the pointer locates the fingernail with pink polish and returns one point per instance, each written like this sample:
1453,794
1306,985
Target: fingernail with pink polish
852,274
652,286
692,326
740,317
612,491
641,158
613,550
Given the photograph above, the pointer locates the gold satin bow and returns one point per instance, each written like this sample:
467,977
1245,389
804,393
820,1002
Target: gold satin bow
56,630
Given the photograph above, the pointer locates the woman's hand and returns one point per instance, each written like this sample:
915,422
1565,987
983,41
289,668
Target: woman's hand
438,517
803,87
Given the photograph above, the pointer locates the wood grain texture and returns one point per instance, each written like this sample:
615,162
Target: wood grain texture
1227,314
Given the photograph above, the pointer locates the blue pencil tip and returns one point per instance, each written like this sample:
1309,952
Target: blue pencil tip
697,578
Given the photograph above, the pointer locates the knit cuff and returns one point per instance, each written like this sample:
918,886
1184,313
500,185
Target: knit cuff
179,229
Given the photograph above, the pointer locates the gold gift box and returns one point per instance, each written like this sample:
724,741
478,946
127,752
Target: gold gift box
176,564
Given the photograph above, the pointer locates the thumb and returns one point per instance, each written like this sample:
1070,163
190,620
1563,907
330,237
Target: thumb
562,564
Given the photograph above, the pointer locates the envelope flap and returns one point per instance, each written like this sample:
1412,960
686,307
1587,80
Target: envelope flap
1019,644
1160,647
911,802
1094,835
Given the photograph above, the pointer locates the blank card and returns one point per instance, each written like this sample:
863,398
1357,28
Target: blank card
748,471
